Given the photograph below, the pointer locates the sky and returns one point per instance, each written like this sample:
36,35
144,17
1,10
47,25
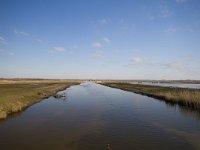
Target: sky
100,39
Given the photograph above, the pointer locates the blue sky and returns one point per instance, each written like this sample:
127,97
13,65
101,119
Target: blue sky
100,39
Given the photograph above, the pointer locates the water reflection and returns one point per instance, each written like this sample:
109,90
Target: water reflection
184,109
189,112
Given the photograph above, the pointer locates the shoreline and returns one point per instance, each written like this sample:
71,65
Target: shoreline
18,97
181,96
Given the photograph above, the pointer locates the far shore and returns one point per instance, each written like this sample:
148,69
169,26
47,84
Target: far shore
16,95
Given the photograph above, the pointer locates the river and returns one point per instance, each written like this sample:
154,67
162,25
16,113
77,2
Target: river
91,116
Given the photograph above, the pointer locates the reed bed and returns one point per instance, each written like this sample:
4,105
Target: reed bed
183,96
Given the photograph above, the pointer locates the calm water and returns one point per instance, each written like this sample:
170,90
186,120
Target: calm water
92,115
191,86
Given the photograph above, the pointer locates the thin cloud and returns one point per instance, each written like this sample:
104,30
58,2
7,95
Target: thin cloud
2,40
151,17
165,12
103,21
22,33
98,55
137,49
121,21
59,49
170,30
39,40
116,51
5,52
106,40
180,1
176,65
137,60
97,45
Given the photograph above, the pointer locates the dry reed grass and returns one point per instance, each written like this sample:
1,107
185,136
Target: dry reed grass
183,96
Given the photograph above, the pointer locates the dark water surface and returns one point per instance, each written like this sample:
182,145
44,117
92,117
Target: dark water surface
92,115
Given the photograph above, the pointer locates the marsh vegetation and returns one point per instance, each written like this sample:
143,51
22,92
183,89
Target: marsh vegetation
16,95
182,96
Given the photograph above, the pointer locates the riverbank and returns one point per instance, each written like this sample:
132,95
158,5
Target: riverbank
182,96
19,94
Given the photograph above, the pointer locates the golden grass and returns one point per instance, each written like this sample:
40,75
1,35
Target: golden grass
17,95
182,96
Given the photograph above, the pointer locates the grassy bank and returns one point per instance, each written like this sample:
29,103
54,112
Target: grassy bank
17,95
183,96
